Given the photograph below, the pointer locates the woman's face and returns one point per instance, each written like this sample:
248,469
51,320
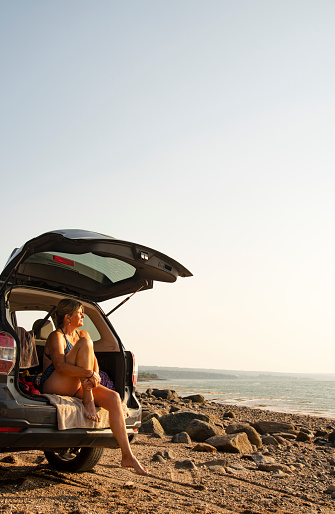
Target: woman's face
77,318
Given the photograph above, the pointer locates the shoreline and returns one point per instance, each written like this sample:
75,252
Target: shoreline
270,404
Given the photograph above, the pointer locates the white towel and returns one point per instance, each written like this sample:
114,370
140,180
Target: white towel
70,413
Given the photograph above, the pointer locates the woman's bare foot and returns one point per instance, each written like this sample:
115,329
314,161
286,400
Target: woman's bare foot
89,405
130,461
90,412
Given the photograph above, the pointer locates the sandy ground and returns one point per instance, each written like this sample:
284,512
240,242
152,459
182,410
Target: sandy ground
29,486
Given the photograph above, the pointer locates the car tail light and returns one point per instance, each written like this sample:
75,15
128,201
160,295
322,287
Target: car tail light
7,353
63,260
10,429
135,370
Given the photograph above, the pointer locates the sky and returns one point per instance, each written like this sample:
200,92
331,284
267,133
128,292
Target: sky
203,129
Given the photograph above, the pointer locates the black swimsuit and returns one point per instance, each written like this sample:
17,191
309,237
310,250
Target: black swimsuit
51,368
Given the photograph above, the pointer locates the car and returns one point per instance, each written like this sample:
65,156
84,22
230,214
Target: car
92,268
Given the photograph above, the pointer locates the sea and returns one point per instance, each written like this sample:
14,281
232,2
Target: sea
309,394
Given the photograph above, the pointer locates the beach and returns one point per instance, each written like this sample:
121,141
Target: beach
292,475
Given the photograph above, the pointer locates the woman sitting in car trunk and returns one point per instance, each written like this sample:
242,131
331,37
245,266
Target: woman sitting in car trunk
70,368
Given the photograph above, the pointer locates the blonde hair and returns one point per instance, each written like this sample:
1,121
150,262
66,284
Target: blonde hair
65,307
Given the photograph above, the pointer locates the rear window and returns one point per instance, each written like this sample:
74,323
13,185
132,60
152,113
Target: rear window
100,269
26,320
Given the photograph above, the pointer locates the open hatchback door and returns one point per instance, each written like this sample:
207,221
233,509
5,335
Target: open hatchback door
89,265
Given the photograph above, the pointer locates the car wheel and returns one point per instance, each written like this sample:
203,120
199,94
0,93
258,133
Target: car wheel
74,459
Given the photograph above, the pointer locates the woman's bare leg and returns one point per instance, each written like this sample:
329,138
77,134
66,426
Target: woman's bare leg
86,394
84,357
80,355
110,400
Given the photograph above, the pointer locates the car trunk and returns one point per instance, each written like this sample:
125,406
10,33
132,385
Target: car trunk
25,302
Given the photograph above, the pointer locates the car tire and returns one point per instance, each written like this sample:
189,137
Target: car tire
74,459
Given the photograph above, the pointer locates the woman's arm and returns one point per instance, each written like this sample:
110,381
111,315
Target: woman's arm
56,350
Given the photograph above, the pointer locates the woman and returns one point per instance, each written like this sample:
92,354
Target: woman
71,369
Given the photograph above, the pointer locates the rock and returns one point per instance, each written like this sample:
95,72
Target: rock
218,466
204,447
331,437
286,435
185,464
321,433
169,454
270,440
195,398
273,427
150,415
182,437
218,469
155,435
163,456
152,426
165,394
274,467
330,489
262,459
266,463
158,458
178,421
279,474
199,430
235,443
253,436
229,414
234,469
174,408
281,440
129,485
304,437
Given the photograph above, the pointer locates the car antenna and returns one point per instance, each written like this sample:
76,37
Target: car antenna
126,299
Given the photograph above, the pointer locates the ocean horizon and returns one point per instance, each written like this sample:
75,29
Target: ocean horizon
299,393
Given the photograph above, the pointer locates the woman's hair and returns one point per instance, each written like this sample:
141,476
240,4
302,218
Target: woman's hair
65,307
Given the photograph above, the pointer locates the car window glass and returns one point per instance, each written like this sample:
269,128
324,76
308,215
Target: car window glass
103,270
91,328
26,319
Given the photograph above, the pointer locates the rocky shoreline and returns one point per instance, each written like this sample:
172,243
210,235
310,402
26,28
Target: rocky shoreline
202,457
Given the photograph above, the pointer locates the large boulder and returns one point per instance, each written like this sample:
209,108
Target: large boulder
199,430
234,443
176,422
152,426
195,398
165,394
273,427
253,436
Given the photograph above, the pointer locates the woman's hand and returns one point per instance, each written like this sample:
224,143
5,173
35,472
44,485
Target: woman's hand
94,379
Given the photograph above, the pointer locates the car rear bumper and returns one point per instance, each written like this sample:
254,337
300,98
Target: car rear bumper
52,439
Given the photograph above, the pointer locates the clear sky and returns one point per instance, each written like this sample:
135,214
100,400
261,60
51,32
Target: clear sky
204,129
